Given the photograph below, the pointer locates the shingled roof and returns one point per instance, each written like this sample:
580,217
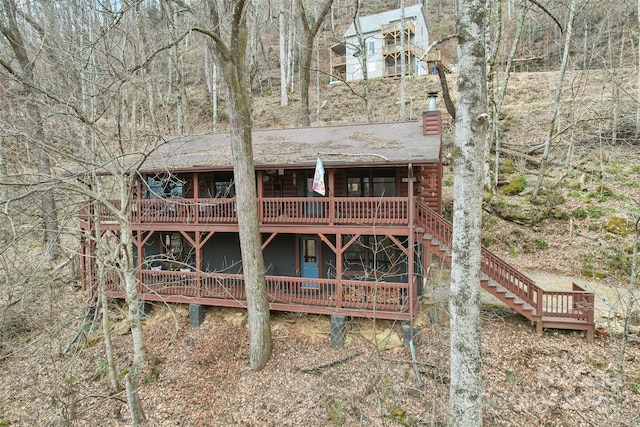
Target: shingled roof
372,23
378,144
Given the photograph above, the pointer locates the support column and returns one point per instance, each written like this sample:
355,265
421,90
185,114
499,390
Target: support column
411,255
408,332
338,331
196,314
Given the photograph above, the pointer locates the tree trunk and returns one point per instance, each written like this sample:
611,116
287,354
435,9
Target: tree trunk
108,344
446,96
250,240
495,134
638,83
363,57
403,64
4,190
464,305
291,37
211,77
556,100
282,35
181,111
493,39
310,33
128,274
103,304
232,64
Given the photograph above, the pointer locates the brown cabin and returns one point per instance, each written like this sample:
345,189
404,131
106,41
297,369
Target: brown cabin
359,250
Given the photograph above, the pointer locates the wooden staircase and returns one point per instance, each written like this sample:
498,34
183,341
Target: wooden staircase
547,309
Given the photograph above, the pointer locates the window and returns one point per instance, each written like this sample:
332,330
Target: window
225,189
355,255
354,187
309,250
372,183
370,255
371,48
216,185
164,186
224,185
384,186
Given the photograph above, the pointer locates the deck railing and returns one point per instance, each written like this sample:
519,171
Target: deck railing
396,26
396,70
393,48
293,210
576,304
373,296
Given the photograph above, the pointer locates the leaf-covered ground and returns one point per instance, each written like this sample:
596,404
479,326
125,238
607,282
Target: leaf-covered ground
200,376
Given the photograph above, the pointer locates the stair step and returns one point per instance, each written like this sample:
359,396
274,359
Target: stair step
561,320
494,287
508,297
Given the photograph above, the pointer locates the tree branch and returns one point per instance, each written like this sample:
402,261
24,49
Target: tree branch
157,51
221,48
548,13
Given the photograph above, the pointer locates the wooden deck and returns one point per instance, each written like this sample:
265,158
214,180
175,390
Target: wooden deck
567,309
290,210
376,299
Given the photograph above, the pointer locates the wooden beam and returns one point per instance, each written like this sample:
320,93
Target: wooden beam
269,239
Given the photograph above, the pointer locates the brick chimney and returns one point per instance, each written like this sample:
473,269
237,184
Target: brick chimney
432,119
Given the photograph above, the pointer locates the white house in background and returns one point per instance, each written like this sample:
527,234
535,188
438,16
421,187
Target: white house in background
382,33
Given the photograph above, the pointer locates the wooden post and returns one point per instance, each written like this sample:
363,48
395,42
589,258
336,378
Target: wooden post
339,251
332,208
411,256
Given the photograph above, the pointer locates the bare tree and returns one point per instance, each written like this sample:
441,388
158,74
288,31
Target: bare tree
4,189
310,30
496,104
229,33
284,48
36,133
638,89
493,40
404,56
556,101
464,303
211,77
363,60
177,71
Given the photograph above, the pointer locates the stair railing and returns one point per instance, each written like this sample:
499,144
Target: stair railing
576,304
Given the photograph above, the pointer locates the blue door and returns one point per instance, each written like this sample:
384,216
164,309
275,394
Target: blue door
309,260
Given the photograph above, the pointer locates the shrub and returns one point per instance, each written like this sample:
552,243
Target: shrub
517,184
579,213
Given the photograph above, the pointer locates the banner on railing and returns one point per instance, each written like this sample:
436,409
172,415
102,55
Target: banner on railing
318,177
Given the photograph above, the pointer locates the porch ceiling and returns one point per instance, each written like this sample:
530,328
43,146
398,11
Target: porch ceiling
377,144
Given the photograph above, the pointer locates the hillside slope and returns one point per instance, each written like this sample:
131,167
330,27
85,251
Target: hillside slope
592,178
